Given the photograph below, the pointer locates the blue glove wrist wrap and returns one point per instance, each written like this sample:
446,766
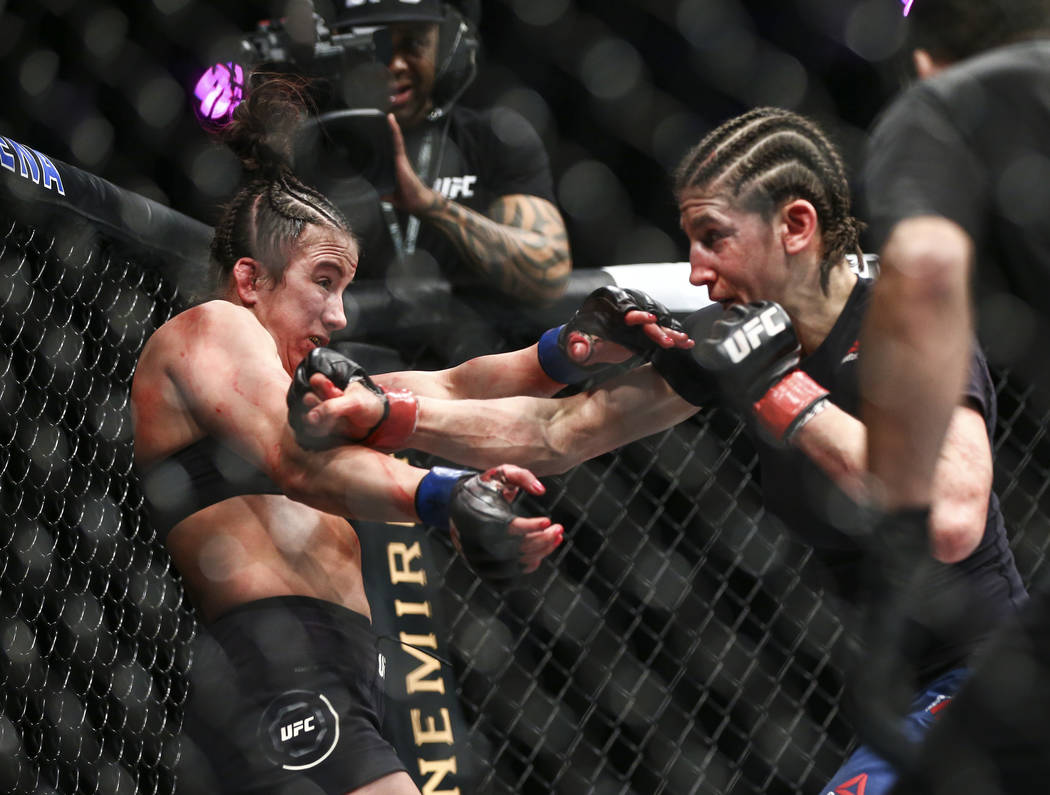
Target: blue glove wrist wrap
555,363
434,492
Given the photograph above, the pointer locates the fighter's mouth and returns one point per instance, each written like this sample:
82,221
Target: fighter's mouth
316,340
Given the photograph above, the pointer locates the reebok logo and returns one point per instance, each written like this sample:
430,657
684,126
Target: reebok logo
939,703
852,353
749,336
855,786
456,187
297,728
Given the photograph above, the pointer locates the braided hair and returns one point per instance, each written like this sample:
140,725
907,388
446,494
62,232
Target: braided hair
266,217
768,156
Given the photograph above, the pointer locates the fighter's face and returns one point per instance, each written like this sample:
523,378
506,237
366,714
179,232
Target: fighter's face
735,253
305,307
413,68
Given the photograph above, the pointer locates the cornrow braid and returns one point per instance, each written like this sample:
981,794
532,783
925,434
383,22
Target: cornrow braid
268,214
770,155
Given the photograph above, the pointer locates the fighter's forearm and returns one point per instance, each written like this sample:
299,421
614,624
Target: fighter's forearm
494,376
523,249
484,433
349,480
962,479
837,442
916,341
549,435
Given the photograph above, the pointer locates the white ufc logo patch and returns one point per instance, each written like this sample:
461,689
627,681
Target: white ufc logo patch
456,187
297,728
749,336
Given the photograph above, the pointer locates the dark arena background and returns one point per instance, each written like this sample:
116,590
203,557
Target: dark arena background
678,642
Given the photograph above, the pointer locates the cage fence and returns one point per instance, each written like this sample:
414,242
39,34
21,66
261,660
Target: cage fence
678,642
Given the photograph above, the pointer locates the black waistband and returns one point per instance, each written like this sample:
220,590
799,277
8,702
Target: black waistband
303,607
237,623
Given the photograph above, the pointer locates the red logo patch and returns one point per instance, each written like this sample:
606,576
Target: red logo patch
855,786
940,705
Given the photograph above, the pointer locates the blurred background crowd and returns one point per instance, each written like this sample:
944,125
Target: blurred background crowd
617,91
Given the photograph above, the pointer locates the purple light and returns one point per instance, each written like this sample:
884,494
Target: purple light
219,90
907,7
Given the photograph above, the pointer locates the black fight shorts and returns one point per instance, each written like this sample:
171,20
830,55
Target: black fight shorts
286,698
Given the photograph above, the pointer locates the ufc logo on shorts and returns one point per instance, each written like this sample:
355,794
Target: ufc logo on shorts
455,187
297,728
749,336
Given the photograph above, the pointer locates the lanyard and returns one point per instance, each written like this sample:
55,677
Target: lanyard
405,244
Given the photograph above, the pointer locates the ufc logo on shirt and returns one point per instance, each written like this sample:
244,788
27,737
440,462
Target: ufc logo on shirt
456,187
749,336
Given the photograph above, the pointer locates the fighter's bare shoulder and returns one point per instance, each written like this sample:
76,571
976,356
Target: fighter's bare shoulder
212,321
214,334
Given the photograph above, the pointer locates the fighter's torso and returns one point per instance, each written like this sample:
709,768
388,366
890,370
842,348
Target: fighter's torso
232,536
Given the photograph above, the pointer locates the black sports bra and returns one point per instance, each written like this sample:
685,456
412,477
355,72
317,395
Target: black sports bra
201,474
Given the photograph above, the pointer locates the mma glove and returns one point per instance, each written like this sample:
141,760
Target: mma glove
473,508
602,316
682,371
753,354
400,408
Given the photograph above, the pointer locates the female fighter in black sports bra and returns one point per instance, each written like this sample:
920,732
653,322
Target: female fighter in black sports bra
285,682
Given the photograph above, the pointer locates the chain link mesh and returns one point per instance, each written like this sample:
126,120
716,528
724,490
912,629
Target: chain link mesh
677,642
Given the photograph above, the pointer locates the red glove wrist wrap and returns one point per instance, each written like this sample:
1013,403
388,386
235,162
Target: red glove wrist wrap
786,401
399,423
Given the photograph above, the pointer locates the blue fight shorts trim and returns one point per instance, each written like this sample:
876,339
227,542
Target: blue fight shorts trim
867,773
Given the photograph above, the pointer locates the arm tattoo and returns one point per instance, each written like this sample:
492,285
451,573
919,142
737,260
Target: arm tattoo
521,246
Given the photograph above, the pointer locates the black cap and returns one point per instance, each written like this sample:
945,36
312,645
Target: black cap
364,13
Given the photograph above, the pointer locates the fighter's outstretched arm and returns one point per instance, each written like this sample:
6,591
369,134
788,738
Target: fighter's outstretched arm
610,326
545,434
551,435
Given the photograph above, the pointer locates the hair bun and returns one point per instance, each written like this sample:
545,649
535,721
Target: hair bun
264,124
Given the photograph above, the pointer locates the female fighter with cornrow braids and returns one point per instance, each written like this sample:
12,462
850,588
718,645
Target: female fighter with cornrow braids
764,202
286,680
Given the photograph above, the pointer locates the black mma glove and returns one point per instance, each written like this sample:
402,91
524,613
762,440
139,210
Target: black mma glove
400,408
601,316
753,354
472,507
681,370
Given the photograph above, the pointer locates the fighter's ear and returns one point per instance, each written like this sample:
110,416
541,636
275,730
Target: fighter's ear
800,225
925,64
246,274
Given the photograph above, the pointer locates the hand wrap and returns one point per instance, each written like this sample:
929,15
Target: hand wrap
754,354
400,408
602,316
478,517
